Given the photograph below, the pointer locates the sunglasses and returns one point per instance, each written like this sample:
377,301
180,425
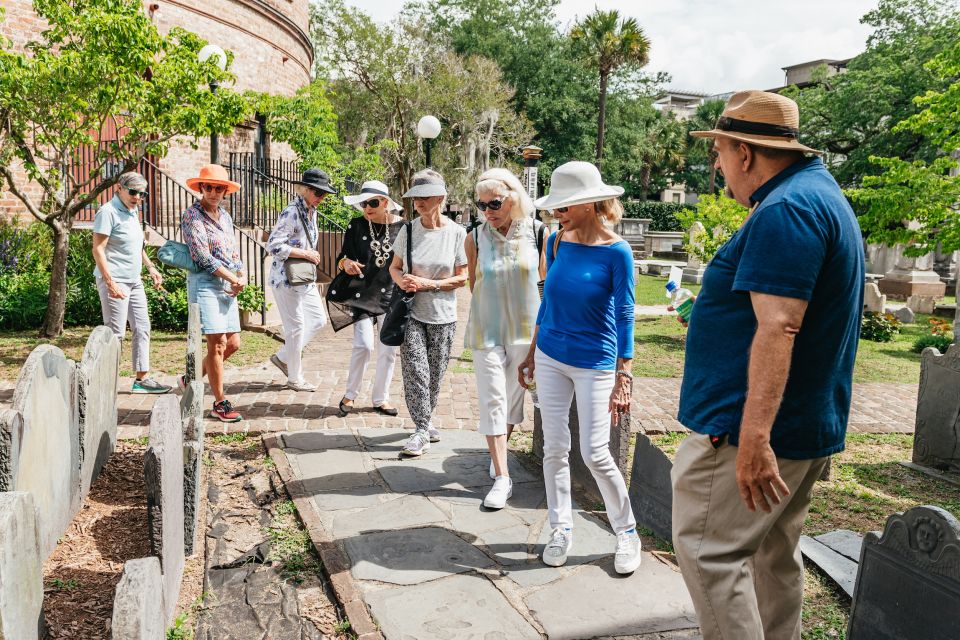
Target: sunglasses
562,209
493,205
372,203
216,188
134,193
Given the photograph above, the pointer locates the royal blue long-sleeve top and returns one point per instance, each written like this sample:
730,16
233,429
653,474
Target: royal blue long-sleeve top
586,317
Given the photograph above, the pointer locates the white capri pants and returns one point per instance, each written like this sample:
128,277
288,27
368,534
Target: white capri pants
302,313
556,384
365,338
499,393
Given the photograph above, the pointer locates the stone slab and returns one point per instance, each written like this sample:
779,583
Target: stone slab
138,603
534,573
592,539
412,556
433,472
49,456
304,441
651,492
391,441
163,475
527,502
460,607
839,567
347,499
194,360
405,512
847,543
192,479
332,469
475,519
11,440
594,601
507,545
953,479
191,402
21,568
97,403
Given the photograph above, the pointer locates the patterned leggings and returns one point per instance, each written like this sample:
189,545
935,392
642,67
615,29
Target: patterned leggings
424,356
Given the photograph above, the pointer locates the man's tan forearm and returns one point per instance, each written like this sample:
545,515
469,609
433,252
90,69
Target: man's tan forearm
770,355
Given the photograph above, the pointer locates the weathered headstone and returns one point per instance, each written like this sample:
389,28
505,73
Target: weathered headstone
48,462
11,439
194,344
192,474
873,300
936,442
908,585
138,603
905,315
21,568
921,304
191,403
97,403
694,270
651,493
163,473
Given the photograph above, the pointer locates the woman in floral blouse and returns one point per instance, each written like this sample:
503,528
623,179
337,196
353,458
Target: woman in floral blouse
301,308
208,232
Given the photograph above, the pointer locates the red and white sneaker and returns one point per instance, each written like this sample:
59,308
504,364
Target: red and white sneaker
224,412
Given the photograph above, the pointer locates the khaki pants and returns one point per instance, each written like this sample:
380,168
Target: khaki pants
743,570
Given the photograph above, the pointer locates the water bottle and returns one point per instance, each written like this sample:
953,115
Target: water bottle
681,299
531,386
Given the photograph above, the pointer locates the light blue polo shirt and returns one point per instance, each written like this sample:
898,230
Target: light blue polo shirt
125,243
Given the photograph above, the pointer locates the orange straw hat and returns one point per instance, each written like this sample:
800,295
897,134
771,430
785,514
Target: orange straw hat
761,118
213,174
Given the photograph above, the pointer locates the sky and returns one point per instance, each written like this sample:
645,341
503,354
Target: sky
716,46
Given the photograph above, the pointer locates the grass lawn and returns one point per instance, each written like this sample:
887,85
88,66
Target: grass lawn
650,290
167,350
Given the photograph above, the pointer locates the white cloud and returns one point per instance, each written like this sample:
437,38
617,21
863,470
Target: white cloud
724,45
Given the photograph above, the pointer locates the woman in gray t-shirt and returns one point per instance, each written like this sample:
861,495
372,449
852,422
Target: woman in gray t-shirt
439,268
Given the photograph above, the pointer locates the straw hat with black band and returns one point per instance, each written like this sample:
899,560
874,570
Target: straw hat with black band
760,118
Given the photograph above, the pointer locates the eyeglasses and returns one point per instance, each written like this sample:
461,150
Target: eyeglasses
562,209
493,205
216,188
136,194
373,203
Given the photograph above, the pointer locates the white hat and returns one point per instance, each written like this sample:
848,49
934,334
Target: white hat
576,182
371,189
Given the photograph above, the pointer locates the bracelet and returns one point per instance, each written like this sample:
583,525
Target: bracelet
625,374
340,263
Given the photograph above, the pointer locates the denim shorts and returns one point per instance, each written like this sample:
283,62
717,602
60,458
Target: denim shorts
218,309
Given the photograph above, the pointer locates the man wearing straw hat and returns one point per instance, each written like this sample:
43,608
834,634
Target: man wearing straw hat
767,382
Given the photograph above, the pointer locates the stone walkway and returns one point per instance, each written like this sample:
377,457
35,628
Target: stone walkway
431,562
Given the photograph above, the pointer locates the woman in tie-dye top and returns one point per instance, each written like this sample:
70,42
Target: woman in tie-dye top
505,261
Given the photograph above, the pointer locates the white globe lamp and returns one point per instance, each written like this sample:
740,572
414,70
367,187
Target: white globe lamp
428,128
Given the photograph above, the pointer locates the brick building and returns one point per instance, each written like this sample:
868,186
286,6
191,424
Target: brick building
272,53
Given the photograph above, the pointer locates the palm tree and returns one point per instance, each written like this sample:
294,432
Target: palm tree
703,120
609,44
663,146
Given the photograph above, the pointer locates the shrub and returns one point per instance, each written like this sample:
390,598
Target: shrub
879,327
251,298
83,299
720,217
941,343
663,214
23,299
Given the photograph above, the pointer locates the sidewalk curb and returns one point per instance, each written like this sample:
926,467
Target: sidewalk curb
336,564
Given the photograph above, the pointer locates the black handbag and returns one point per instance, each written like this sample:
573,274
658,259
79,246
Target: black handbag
393,329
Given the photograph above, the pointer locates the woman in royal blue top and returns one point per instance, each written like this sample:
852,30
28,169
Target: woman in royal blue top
584,345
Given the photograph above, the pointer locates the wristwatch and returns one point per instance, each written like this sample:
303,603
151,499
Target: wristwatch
436,287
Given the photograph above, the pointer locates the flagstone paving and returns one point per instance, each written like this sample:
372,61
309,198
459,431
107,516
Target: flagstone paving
431,562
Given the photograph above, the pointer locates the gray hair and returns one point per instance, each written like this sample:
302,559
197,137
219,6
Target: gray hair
504,180
132,180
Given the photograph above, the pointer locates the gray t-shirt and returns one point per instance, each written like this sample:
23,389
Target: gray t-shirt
436,254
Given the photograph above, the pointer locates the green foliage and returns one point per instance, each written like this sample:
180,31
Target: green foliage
939,337
644,147
181,629
663,214
252,298
879,327
699,173
720,216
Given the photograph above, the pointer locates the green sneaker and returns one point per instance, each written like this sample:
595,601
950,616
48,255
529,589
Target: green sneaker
148,385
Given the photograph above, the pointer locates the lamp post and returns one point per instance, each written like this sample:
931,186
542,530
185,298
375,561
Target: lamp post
220,59
531,158
428,128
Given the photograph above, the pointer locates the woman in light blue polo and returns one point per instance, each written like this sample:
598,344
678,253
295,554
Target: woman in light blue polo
120,258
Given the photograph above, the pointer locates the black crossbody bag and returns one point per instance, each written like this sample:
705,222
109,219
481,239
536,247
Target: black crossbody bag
393,329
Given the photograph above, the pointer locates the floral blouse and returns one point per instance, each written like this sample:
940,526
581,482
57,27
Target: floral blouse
212,243
289,234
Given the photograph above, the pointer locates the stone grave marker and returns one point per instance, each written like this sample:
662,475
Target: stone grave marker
873,300
651,493
908,585
694,270
921,304
138,602
48,460
194,344
11,439
21,568
905,315
192,474
191,402
97,403
163,472
936,443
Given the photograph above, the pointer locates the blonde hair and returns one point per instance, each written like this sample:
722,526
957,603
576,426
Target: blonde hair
303,190
611,209
502,179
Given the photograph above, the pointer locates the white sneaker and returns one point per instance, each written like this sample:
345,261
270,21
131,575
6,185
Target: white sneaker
497,497
301,386
493,471
628,556
434,434
555,553
417,444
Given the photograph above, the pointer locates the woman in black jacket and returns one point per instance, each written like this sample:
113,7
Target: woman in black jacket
361,292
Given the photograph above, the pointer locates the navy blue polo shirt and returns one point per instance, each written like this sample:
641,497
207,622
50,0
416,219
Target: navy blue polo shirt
802,241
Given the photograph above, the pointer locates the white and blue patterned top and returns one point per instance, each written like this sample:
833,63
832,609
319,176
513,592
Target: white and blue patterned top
289,233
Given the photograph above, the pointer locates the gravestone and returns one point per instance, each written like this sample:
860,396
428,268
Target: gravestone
21,568
905,315
651,493
191,402
163,474
194,345
694,270
579,472
97,403
192,474
11,438
921,304
48,460
908,585
138,603
873,300
936,443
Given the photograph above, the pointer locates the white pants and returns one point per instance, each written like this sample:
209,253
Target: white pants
556,384
365,337
499,392
302,313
